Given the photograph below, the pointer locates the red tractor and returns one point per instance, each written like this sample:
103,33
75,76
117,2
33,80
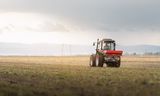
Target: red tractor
106,53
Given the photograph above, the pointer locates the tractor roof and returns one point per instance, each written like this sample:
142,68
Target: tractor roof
107,40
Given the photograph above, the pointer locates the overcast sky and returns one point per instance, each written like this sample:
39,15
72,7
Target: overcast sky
129,22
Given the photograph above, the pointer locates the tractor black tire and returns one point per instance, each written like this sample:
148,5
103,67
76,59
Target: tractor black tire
92,61
111,65
118,64
99,60
108,65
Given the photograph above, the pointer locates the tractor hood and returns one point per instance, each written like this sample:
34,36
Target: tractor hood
113,52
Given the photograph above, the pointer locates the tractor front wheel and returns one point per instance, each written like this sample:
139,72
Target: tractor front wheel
118,64
92,61
99,61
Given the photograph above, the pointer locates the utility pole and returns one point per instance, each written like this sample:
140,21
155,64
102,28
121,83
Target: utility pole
62,48
70,50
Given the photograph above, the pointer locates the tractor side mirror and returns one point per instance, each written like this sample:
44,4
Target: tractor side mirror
94,43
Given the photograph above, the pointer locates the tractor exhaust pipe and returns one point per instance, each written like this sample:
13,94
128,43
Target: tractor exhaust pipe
97,46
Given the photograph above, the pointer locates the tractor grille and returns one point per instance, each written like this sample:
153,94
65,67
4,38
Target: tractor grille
112,59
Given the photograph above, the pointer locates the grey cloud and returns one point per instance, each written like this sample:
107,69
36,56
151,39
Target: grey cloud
50,27
43,27
106,15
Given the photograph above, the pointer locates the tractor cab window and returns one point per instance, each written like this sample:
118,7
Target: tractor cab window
108,46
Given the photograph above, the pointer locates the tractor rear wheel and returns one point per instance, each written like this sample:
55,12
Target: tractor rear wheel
99,60
111,64
118,64
92,61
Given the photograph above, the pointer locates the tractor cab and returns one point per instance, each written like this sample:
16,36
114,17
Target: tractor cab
106,44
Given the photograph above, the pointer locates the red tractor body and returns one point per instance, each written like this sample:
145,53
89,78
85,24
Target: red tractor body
112,52
106,53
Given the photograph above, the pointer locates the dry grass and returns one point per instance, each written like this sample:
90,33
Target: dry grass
141,61
71,76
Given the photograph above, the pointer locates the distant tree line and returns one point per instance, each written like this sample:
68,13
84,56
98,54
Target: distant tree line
146,53
152,53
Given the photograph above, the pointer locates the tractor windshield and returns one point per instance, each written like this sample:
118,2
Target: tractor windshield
108,46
